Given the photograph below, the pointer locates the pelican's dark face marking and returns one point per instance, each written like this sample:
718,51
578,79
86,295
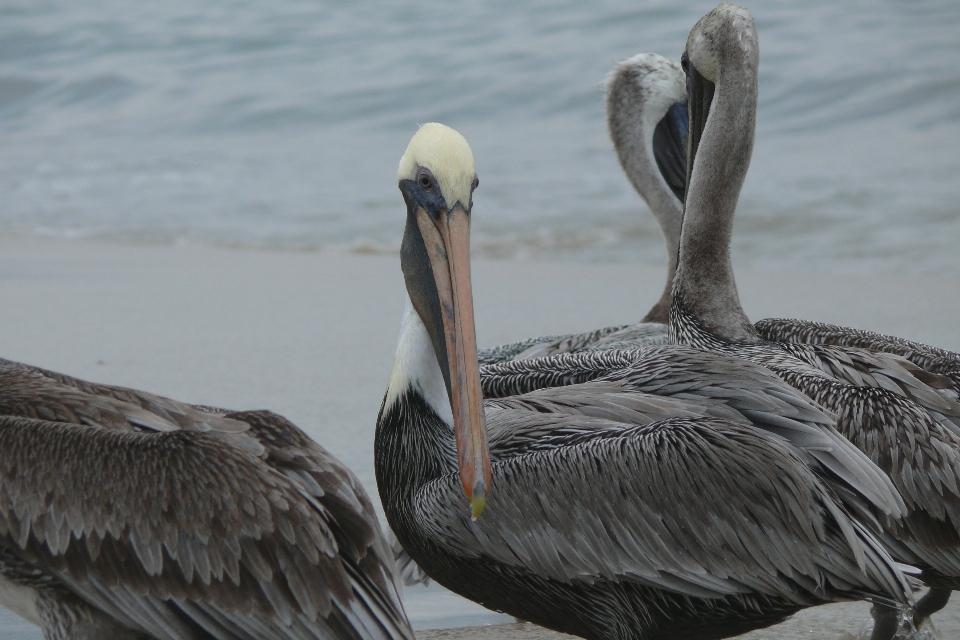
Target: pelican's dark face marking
423,190
670,147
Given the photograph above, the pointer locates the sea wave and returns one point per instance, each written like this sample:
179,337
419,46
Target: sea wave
279,125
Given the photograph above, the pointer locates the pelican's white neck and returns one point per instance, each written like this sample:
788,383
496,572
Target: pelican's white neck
416,367
640,91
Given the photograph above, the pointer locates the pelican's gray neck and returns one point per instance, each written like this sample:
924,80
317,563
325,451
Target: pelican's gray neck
722,82
416,368
640,91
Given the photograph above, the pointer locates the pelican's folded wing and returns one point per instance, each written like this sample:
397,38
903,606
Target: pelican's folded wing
179,536
635,387
32,392
695,506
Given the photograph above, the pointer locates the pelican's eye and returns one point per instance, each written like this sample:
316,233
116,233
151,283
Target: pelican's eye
476,183
685,62
425,181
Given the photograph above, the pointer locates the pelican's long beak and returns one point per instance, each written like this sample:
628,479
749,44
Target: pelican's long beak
700,92
447,241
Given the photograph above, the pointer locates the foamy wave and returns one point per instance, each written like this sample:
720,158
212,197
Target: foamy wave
370,246
544,241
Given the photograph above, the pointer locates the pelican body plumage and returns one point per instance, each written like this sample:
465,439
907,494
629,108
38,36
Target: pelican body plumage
126,515
904,417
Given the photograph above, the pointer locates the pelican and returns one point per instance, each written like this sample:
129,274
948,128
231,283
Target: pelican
637,91
647,118
903,417
595,508
129,516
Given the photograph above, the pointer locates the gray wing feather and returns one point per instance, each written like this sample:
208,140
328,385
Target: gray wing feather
546,345
631,336
508,351
696,506
359,535
928,358
195,521
32,392
635,336
863,368
692,382
938,369
920,455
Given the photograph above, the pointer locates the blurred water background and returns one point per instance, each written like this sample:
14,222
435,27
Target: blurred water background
279,124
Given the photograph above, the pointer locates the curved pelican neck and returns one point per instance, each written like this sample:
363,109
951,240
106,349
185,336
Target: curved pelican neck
639,93
721,143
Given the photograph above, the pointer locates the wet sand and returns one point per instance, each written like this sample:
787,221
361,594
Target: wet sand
830,622
311,335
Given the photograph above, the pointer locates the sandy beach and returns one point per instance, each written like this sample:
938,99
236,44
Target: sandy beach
311,335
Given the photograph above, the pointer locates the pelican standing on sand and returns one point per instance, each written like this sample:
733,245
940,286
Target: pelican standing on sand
647,118
904,418
580,514
128,516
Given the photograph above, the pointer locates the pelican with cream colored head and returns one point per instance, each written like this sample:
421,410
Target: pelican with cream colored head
437,179
554,546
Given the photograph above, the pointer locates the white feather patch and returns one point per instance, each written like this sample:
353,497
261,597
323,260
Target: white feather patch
416,367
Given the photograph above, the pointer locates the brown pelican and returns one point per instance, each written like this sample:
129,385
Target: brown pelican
649,79
125,515
595,508
647,118
637,90
903,417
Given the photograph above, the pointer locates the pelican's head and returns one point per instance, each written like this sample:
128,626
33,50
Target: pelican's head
722,48
723,39
437,179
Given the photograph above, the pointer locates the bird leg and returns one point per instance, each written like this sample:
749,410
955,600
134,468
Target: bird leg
930,603
886,622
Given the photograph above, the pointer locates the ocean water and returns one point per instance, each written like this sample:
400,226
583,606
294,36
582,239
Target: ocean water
281,123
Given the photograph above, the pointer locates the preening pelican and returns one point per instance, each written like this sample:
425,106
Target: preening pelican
637,90
125,515
596,508
904,418
647,118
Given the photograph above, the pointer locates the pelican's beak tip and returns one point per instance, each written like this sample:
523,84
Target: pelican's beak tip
478,499
477,504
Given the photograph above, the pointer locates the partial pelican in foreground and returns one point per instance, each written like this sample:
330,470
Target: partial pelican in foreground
125,515
647,118
904,418
597,509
